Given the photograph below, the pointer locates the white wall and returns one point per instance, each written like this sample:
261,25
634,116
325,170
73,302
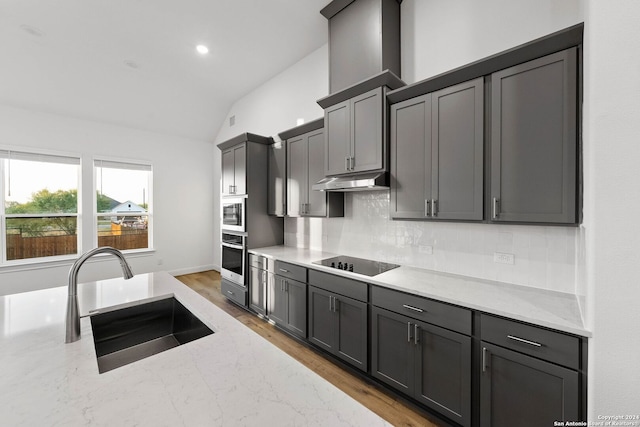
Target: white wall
611,228
182,184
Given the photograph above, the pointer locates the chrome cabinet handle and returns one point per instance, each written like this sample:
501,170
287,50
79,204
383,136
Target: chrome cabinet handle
352,162
495,211
522,340
283,270
330,309
427,211
415,333
408,331
230,293
434,207
335,306
484,359
419,310
346,163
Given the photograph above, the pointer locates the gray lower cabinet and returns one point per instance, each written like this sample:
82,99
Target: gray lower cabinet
529,376
533,141
287,305
258,283
338,324
521,390
234,292
428,363
437,154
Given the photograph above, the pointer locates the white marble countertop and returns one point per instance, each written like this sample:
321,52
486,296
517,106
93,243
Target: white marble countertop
230,378
541,307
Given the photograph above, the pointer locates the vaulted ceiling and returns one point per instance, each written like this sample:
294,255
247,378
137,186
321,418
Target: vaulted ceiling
134,62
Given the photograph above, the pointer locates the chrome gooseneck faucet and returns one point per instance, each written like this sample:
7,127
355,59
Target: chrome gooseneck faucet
73,315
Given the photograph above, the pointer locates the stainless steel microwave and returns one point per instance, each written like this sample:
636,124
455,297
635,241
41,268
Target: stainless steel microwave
233,214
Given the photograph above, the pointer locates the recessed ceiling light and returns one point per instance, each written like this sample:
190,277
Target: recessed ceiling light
202,49
31,30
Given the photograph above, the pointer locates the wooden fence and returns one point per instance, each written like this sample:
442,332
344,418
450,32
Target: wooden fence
19,247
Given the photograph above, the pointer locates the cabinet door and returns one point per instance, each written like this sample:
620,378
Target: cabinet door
317,200
458,151
296,175
258,290
443,371
296,307
351,331
321,319
411,157
520,390
226,175
366,131
240,169
533,140
277,179
392,349
337,138
278,302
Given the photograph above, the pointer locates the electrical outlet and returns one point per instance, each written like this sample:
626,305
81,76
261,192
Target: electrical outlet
426,249
502,258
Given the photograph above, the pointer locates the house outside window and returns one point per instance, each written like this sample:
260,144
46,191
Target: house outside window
123,215
39,206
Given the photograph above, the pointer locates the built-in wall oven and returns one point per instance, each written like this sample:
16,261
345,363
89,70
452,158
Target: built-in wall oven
234,256
233,214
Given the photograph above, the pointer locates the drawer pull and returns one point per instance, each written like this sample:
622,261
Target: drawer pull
283,270
522,340
230,293
419,310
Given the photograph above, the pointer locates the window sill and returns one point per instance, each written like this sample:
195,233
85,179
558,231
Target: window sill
65,260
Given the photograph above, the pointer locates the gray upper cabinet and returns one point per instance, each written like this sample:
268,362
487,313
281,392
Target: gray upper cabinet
533,141
233,175
277,204
437,154
354,134
305,167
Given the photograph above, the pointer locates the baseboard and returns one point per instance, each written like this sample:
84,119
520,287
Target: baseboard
191,270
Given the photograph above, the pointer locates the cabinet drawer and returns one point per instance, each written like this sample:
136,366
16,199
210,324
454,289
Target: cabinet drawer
542,343
291,271
434,312
234,292
338,284
261,262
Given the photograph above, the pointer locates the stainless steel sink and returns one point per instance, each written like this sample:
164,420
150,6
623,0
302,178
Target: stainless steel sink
129,334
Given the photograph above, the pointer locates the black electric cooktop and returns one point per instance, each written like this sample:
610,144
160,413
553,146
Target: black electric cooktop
357,265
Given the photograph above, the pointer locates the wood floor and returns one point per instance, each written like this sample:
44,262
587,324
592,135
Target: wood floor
374,397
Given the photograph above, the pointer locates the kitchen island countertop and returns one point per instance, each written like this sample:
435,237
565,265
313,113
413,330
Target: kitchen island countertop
551,309
232,377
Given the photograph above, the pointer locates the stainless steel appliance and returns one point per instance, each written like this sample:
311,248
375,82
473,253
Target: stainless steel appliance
233,214
234,257
357,265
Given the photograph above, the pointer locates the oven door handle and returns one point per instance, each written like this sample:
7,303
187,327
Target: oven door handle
230,245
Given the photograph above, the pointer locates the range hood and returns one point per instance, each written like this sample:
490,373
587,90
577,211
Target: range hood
359,182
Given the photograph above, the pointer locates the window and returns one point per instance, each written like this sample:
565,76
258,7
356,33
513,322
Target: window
123,204
38,206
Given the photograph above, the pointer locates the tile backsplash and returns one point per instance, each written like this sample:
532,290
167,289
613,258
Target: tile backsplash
545,257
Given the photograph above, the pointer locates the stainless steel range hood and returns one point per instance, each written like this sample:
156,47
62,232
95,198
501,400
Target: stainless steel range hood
361,182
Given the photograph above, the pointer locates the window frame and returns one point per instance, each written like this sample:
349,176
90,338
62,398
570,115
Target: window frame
149,201
24,153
